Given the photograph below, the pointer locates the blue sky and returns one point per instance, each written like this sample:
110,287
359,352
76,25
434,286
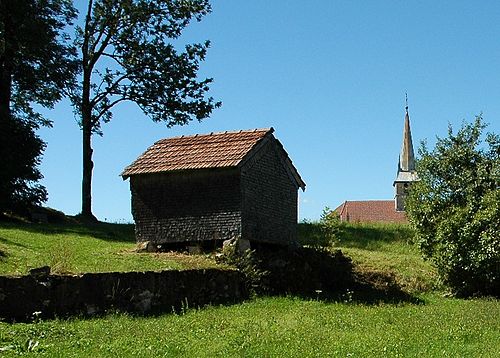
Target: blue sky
329,76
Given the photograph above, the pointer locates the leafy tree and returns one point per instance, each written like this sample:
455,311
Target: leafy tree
36,66
127,56
455,209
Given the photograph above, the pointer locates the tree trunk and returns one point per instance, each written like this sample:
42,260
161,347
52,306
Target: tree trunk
86,108
88,165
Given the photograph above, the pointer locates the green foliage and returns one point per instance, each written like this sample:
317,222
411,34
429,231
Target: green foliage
330,225
36,59
127,56
36,66
247,263
455,209
322,234
20,150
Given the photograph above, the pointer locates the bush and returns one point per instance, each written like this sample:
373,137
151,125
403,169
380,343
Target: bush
322,234
248,264
455,209
279,270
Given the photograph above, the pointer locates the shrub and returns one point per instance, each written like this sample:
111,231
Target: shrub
455,209
248,264
322,234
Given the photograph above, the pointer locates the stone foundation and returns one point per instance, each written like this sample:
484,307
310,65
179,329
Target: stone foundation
46,296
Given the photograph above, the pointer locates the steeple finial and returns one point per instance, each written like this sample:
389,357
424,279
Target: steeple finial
406,101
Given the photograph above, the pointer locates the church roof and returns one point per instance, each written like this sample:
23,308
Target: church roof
370,211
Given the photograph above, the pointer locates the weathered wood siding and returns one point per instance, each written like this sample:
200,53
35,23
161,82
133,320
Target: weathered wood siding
269,211
257,202
187,206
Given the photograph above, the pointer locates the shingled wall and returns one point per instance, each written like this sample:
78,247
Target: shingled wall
187,206
269,198
257,201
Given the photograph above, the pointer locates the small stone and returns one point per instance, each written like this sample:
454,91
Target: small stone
228,243
145,246
242,245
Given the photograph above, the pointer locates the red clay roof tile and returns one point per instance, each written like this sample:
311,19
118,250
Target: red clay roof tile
370,211
214,150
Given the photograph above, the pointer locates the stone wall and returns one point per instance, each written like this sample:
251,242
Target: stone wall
187,206
21,298
269,211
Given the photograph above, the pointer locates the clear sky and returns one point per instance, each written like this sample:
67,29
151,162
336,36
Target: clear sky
329,76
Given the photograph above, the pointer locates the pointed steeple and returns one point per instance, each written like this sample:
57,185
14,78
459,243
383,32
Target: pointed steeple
407,157
406,166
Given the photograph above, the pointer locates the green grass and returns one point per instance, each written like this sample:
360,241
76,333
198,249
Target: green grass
275,327
76,248
389,248
264,327
386,248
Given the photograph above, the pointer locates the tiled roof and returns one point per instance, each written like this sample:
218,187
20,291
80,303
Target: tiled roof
214,150
370,211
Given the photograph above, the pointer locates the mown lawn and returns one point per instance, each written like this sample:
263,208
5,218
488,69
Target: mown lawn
76,248
274,327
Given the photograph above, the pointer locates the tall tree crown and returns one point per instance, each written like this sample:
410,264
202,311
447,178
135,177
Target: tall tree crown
127,56
36,56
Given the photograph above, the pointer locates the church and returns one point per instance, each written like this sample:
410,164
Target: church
392,211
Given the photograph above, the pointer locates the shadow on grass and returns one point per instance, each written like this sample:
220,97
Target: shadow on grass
100,230
297,272
362,236
320,274
373,237
10,242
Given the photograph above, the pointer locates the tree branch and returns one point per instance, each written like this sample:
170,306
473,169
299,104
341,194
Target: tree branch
112,27
109,90
114,57
108,107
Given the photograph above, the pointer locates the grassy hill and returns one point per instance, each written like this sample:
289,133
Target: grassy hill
76,248
389,248
436,326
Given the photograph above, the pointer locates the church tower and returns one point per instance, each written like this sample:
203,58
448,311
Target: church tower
407,173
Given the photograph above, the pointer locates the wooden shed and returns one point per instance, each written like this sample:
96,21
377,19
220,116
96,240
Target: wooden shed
216,186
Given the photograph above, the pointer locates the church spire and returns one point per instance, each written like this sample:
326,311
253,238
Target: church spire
407,157
406,166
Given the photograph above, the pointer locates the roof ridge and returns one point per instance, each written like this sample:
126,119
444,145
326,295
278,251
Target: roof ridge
197,135
213,150
370,200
